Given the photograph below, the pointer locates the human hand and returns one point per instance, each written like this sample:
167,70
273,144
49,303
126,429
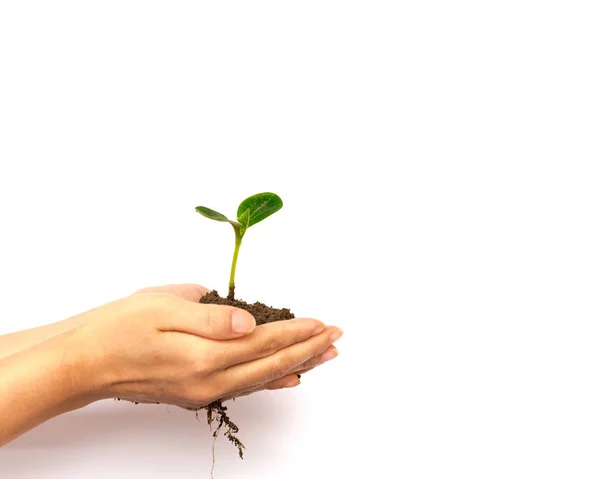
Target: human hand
159,347
193,292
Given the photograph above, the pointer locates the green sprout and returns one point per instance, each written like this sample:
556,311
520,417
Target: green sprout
251,211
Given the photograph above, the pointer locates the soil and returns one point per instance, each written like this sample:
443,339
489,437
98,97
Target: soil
261,312
216,412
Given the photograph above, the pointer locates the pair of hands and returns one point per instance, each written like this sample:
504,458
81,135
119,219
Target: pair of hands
161,345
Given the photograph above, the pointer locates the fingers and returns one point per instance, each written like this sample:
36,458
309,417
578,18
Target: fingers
207,320
289,381
277,365
189,292
266,340
327,355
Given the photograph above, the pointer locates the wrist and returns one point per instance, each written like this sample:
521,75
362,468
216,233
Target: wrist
74,377
83,368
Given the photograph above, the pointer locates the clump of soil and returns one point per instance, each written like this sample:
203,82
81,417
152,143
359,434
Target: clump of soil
261,312
215,411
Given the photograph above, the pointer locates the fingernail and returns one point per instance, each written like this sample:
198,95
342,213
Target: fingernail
329,355
318,329
336,335
241,322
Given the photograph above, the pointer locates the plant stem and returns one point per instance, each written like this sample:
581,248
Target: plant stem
238,242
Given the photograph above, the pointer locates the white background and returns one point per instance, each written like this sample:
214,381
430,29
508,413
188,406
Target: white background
438,162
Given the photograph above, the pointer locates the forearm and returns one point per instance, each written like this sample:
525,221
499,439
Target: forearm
39,383
21,340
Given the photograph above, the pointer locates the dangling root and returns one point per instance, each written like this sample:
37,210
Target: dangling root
216,412
214,457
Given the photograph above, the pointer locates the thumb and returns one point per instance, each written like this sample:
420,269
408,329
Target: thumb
209,320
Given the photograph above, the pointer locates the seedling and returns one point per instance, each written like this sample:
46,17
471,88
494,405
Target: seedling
251,211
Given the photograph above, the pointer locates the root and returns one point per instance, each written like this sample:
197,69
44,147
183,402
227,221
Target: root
214,457
216,412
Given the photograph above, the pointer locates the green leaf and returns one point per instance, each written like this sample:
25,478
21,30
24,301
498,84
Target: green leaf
212,214
244,221
256,208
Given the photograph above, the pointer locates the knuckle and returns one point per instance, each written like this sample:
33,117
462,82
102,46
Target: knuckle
195,396
205,395
269,345
199,367
156,301
200,397
307,364
204,366
314,323
279,368
214,317
184,395
193,393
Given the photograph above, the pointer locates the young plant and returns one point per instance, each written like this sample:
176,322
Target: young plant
251,211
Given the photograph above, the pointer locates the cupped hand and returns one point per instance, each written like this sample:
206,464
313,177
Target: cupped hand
193,292
161,345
